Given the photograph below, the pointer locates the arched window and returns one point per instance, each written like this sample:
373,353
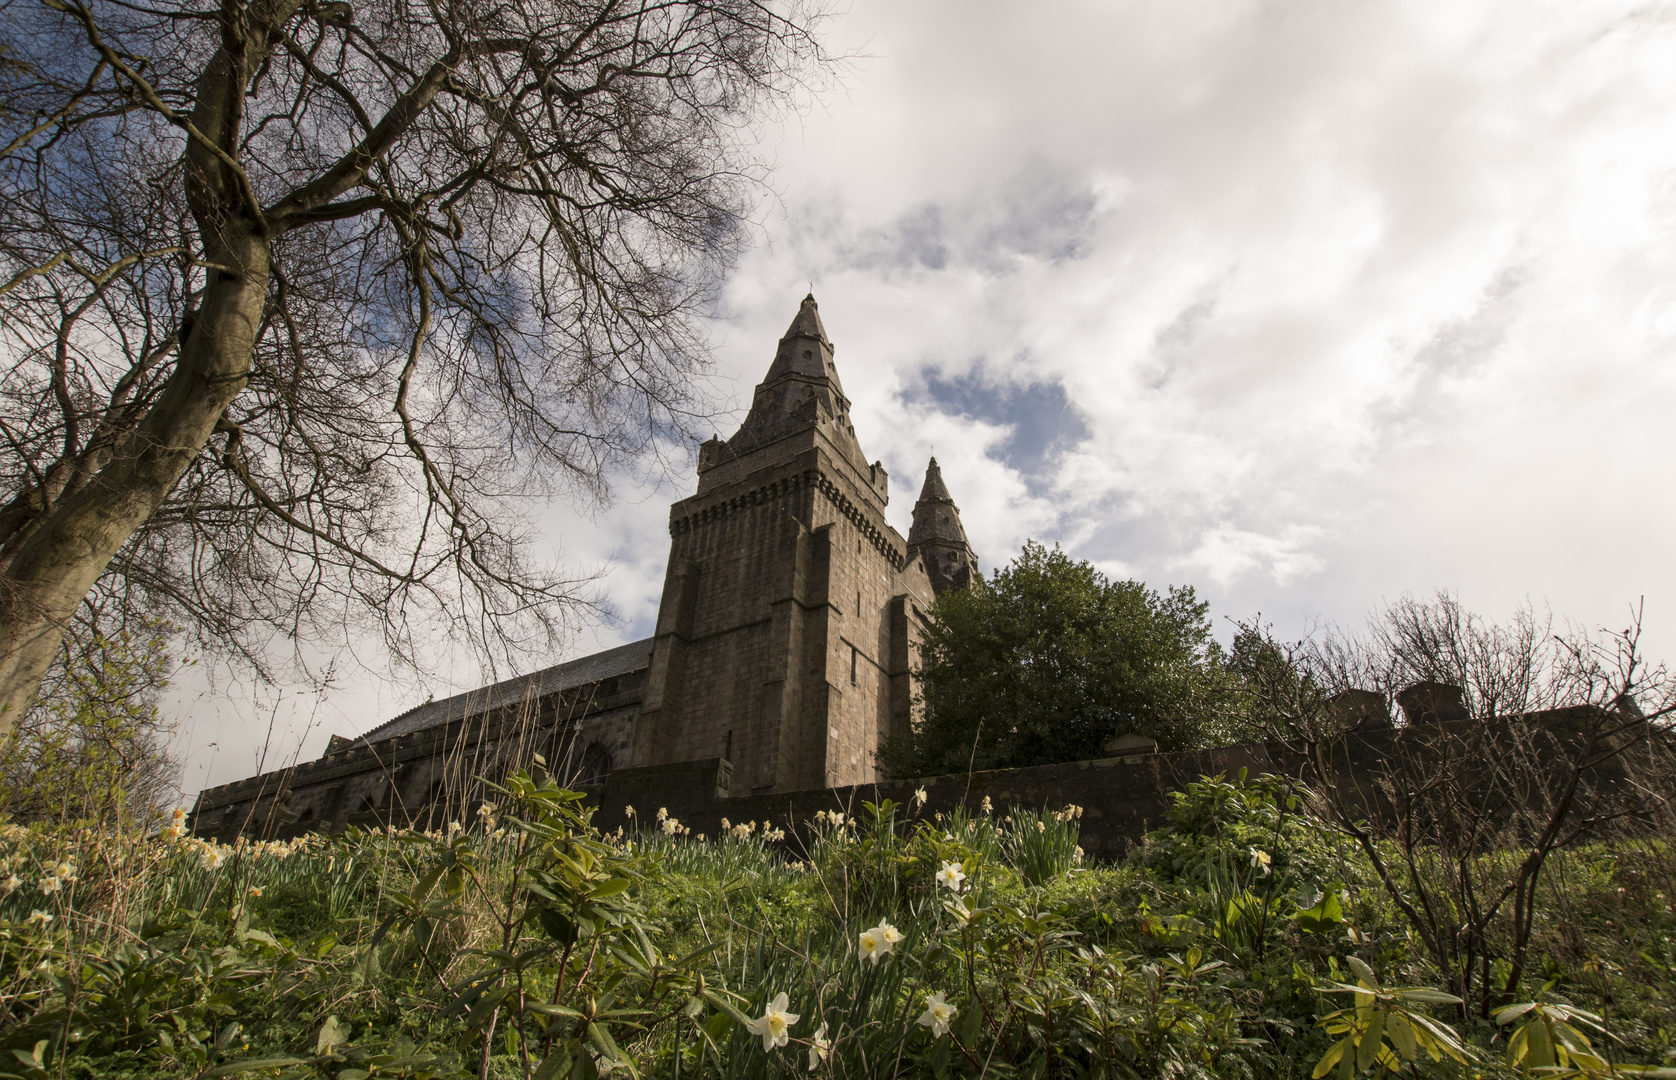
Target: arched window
596,763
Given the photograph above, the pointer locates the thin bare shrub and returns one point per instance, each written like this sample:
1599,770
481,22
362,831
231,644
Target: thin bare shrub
1565,736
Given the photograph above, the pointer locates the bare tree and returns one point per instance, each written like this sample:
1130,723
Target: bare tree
1563,738
293,293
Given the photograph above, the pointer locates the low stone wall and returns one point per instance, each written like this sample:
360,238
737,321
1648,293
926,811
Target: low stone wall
1121,797
1124,797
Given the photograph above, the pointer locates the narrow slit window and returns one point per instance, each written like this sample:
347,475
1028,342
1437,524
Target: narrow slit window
852,665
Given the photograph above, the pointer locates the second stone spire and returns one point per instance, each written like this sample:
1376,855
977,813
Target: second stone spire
938,537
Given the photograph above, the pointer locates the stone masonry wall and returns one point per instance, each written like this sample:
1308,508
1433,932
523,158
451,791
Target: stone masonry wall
1122,798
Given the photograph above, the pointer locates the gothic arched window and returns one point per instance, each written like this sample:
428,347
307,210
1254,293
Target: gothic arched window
596,763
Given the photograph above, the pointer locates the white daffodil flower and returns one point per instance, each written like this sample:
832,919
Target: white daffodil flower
872,946
49,885
920,796
950,876
1260,860
40,917
774,1024
937,1015
878,941
819,1047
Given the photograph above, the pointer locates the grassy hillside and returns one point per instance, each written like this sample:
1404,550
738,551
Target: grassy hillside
522,943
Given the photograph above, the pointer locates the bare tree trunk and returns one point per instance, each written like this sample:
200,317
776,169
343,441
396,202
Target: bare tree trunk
69,546
50,564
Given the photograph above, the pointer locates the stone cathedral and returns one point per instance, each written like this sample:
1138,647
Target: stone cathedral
784,644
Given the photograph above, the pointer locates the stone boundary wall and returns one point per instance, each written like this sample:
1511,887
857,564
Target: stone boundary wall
396,779
1121,798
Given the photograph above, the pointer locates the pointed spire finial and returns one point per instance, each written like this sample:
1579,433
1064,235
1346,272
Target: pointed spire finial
937,536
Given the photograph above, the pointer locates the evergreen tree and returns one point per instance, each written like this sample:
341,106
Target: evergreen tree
1049,658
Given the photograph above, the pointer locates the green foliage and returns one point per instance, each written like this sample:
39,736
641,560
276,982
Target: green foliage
1049,659
92,748
904,945
1040,845
1386,1028
1216,822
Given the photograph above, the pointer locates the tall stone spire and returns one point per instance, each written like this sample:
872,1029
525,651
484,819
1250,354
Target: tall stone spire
800,391
937,536
805,351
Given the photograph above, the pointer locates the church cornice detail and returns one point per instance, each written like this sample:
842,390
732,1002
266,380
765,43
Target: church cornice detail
785,487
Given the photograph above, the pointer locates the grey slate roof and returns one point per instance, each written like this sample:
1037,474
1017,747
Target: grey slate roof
634,656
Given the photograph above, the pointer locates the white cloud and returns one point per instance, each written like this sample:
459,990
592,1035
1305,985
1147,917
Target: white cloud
1225,554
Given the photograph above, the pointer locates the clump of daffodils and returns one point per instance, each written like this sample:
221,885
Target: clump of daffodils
212,854
746,829
176,828
774,1025
671,826
1072,812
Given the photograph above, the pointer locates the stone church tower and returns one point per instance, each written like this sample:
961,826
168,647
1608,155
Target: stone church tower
790,608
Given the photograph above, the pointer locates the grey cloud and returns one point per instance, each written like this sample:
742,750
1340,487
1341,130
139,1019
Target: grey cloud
1033,215
1041,420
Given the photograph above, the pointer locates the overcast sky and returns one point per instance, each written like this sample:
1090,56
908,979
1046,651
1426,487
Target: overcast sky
1307,305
